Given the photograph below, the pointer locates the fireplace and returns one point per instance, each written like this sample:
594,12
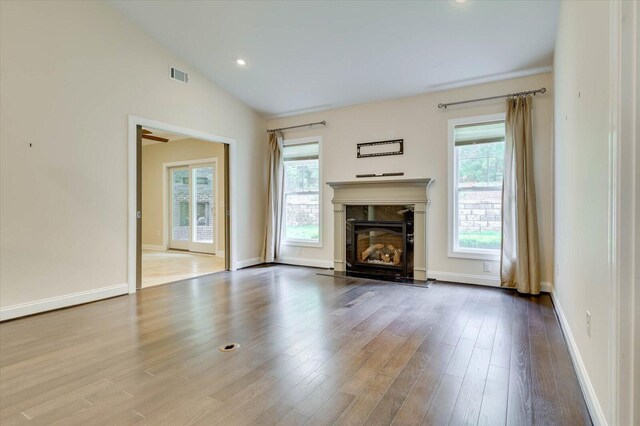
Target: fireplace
379,247
380,228
380,240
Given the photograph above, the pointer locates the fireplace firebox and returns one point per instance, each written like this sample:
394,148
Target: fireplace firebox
379,245
379,240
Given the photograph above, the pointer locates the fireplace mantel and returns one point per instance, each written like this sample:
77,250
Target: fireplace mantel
406,181
382,192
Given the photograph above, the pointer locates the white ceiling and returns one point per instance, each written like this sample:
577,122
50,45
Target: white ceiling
311,55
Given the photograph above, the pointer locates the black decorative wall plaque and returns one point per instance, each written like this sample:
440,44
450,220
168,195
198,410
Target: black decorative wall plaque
381,149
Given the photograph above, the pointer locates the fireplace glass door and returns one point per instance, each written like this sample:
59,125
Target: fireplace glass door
379,245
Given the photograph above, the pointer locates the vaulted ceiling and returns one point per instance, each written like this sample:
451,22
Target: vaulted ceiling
311,55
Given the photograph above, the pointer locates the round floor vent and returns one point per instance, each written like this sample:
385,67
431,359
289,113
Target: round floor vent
229,347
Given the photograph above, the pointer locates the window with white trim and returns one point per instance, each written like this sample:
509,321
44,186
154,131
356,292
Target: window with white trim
302,180
476,165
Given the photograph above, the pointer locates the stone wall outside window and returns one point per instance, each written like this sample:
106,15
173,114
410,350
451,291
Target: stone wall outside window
479,211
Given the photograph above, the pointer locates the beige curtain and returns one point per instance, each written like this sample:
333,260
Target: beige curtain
520,267
273,215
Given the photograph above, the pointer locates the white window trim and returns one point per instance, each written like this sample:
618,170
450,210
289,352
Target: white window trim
305,243
479,254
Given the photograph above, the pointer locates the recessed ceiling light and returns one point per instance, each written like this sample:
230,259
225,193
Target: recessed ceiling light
460,1
241,62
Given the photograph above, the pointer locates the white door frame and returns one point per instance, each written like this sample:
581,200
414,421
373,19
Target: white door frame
133,184
623,219
166,205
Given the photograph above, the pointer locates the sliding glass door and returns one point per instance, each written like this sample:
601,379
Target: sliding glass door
180,208
204,212
193,208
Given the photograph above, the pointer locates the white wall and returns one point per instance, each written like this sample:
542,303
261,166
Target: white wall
582,190
423,126
154,156
71,73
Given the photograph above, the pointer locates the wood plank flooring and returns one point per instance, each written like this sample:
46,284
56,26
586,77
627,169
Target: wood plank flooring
313,350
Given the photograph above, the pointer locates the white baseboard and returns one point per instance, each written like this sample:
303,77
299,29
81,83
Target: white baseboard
455,277
153,247
485,280
248,262
58,302
301,261
597,415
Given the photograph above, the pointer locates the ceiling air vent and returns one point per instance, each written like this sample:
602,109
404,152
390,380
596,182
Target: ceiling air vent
178,75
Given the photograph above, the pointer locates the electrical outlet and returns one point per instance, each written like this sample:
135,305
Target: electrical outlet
588,323
486,266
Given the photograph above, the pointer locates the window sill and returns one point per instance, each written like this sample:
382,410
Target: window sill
476,255
302,243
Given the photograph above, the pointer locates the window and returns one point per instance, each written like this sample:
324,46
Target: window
302,180
203,213
476,160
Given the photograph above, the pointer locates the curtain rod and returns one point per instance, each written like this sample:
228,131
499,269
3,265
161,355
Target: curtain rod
295,127
510,95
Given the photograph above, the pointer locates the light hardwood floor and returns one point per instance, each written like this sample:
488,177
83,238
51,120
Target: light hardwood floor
161,267
314,350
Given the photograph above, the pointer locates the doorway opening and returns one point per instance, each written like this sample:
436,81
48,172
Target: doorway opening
183,200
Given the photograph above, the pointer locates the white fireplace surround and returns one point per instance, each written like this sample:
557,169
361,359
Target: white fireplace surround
382,192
